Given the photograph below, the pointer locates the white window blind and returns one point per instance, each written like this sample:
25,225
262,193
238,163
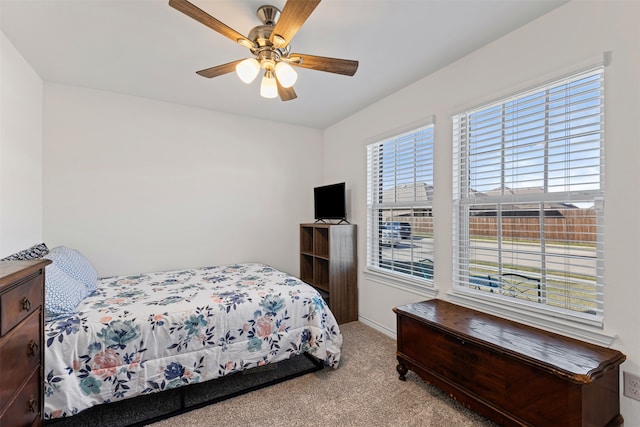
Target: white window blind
399,200
529,198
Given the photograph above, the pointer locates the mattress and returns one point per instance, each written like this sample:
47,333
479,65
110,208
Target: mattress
146,333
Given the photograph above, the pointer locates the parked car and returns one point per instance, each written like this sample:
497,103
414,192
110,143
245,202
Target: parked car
395,231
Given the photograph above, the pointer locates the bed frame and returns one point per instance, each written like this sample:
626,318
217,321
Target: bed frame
143,410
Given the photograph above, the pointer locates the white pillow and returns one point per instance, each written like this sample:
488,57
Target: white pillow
75,265
62,293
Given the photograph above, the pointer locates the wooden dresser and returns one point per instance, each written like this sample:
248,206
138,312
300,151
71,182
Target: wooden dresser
512,373
21,343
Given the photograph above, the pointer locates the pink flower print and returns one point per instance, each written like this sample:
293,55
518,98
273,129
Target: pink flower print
105,363
263,326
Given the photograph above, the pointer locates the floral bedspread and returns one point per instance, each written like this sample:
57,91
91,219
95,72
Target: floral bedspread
151,332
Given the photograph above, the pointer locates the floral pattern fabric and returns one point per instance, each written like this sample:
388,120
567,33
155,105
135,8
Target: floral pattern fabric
151,332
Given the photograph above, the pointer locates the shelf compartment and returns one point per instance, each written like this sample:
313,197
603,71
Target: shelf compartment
306,239
321,242
321,273
306,268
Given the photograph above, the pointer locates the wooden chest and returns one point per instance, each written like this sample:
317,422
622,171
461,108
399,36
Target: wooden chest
511,373
21,342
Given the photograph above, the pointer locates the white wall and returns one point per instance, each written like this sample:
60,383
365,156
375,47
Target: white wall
138,185
546,48
20,151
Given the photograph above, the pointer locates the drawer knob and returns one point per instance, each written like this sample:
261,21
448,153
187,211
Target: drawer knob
33,348
33,402
26,304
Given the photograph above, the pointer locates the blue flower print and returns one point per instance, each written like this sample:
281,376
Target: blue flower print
305,336
130,294
318,303
119,333
255,344
291,282
89,385
173,371
170,300
194,324
63,328
272,303
94,347
69,326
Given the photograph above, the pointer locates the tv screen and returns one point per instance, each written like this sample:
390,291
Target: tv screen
329,202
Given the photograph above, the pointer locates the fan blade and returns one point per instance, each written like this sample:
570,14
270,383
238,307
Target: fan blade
293,15
286,94
219,69
204,18
346,67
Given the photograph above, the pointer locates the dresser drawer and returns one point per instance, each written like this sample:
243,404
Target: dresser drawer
19,302
20,356
25,409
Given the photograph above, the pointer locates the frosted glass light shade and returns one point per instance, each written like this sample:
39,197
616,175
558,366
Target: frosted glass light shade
287,76
269,87
248,70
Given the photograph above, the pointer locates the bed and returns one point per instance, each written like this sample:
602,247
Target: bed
141,334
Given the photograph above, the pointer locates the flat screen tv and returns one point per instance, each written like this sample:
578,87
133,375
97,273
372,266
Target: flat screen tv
329,202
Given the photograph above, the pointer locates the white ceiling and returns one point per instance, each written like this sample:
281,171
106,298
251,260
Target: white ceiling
146,48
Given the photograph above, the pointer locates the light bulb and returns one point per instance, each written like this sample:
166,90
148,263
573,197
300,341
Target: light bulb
248,70
269,87
287,76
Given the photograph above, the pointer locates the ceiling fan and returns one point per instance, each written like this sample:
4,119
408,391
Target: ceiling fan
270,46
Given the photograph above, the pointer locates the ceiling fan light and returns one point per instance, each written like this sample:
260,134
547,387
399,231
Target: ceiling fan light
287,76
269,87
248,70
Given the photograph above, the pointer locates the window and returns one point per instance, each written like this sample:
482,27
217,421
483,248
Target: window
529,198
399,200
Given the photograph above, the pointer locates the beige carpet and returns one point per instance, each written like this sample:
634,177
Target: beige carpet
363,391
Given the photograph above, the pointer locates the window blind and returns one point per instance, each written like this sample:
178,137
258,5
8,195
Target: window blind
529,197
399,201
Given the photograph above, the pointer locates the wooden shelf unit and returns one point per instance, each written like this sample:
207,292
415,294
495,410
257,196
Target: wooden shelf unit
328,262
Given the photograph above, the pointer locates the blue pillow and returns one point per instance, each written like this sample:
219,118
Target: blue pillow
62,293
75,265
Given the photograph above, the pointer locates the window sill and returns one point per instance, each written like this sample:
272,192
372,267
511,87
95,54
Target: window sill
403,283
588,331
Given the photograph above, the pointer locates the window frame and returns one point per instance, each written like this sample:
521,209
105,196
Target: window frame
570,323
388,276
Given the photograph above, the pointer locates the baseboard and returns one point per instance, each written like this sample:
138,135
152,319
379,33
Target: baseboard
378,327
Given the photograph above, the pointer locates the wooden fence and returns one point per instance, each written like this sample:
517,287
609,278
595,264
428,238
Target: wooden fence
570,225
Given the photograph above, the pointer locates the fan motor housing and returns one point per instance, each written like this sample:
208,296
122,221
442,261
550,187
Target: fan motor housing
260,35
268,14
